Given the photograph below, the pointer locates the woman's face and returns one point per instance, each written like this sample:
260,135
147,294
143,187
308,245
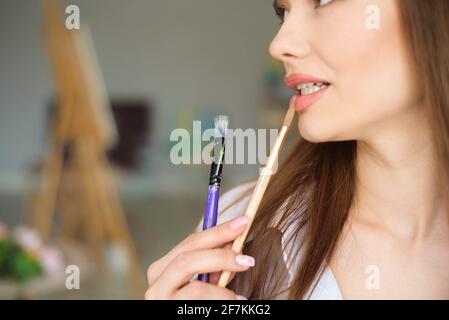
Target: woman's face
369,69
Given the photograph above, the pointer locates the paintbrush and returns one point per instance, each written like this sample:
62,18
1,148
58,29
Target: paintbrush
218,153
260,187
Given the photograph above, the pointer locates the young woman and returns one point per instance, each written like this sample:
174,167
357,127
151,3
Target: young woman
359,209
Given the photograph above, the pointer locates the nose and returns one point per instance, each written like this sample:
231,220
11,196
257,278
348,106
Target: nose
290,43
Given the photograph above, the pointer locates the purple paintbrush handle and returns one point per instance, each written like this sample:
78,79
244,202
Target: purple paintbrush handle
211,210
210,216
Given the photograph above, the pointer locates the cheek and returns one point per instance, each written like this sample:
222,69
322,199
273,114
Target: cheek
371,77
379,78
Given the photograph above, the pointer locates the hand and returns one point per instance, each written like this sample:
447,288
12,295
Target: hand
208,251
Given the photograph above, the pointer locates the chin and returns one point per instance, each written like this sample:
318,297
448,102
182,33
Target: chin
312,131
321,129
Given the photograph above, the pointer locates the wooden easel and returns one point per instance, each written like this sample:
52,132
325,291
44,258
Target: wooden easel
82,119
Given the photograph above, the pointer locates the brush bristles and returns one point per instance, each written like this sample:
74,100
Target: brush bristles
221,126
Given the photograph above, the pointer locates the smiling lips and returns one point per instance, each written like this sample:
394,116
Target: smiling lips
308,89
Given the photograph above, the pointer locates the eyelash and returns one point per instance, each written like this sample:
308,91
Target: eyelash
280,11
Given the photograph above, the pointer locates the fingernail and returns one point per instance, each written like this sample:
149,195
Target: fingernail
240,297
237,223
243,260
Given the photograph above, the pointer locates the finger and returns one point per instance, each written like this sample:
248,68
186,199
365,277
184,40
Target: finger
228,245
198,290
217,236
187,264
210,238
215,276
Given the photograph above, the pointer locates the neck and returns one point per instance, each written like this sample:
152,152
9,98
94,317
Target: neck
397,180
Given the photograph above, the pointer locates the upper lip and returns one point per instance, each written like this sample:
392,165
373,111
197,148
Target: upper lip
293,80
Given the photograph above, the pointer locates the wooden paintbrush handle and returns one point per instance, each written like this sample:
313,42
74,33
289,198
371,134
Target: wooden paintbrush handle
259,191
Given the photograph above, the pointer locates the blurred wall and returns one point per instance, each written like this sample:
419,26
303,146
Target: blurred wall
187,56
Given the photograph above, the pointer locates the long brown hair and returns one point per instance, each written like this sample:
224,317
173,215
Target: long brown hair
314,187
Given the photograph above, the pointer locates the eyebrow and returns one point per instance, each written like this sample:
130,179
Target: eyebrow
279,3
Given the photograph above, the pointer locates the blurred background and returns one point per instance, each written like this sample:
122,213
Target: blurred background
85,173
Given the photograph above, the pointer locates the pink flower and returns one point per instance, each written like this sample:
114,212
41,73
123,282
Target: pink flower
27,238
51,260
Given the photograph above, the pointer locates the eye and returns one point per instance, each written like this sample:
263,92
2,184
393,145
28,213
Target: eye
322,3
281,12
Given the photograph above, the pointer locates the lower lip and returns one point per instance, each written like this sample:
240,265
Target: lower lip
303,102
